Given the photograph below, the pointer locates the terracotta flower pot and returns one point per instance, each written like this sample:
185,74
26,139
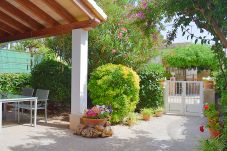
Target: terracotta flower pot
159,114
162,83
93,122
146,117
130,122
214,133
208,84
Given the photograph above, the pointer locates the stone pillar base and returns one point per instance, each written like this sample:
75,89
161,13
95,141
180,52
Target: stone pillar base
209,96
74,120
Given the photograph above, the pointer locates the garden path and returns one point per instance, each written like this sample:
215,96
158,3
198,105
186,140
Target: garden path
167,133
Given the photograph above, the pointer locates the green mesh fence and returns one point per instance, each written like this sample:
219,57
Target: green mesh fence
17,62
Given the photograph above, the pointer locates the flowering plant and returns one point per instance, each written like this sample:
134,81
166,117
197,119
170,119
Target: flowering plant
98,112
210,112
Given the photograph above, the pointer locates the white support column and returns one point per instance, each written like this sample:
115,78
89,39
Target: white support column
79,75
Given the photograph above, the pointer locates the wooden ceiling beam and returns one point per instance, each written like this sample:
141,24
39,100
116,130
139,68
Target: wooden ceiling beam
37,11
12,22
7,28
83,8
3,33
60,29
20,14
60,10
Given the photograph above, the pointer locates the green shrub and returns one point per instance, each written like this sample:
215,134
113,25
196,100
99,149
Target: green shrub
131,119
151,93
191,56
54,76
14,82
214,144
147,111
117,86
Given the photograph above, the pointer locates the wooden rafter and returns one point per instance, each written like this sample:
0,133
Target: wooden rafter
7,28
6,18
38,12
3,33
59,10
16,12
80,5
60,29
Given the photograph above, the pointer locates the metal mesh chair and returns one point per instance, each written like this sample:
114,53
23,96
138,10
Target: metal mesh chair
25,92
42,96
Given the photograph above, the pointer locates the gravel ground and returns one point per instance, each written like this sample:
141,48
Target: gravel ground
167,133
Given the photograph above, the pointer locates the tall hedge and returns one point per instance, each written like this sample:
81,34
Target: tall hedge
151,93
14,82
54,76
117,86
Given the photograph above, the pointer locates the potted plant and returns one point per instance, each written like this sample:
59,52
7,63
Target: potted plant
131,119
213,120
214,129
97,115
208,83
147,113
159,112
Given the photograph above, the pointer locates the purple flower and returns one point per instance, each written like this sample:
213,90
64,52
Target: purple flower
140,15
144,4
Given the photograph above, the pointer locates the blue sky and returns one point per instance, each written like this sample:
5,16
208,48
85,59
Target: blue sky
181,39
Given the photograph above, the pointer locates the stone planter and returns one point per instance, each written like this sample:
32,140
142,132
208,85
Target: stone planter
208,84
93,128
93,122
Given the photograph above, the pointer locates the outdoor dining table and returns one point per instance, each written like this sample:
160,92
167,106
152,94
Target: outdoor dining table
11,98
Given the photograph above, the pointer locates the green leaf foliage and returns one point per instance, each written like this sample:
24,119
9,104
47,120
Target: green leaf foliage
117,86
13,83
117,40
191,56
54,76
151,93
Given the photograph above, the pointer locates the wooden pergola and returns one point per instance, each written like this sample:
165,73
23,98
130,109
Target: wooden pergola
21,19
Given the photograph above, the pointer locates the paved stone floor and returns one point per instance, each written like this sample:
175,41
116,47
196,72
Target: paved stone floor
167,133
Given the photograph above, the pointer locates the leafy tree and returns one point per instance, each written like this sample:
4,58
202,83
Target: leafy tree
62,46
119,41
191,56
207,15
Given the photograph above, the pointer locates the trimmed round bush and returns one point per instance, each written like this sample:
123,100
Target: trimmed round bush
117,86
54,76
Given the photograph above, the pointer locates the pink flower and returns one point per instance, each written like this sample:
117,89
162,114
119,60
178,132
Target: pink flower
144,4
114,51
120,35
124,29
91,113
140,15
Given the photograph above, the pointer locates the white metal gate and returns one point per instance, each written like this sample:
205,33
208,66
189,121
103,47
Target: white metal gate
184,97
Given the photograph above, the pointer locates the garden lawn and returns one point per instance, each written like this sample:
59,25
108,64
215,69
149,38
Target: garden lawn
167,133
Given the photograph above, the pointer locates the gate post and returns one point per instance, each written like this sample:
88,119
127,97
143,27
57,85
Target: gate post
166,94
201,98
183,97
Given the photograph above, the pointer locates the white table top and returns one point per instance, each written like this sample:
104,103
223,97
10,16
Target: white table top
16,98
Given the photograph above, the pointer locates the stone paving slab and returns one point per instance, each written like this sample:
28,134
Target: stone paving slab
167,133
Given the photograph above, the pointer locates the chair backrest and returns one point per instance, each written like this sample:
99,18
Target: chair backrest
27,91
42,94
